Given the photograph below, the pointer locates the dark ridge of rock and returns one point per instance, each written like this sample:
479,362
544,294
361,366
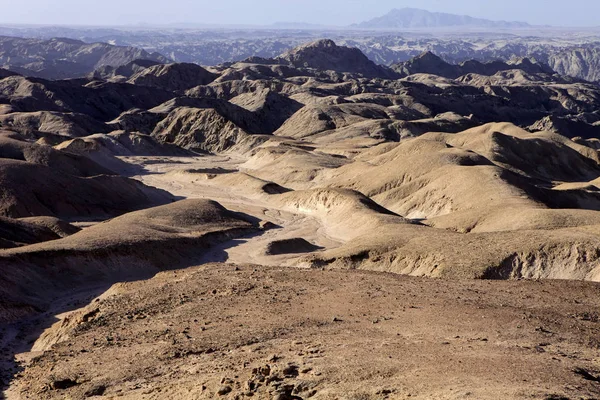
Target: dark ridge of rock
102,101
521,104
173,77
136,120
50,192
65,185
429,63
258,112
270,108
259,60
16,233
124,71
542,159
204,129
56,225
566,126
228,89
35,124
326,55
581,61
5,73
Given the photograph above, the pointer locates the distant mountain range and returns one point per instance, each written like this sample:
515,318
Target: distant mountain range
297,25
63,58
414,18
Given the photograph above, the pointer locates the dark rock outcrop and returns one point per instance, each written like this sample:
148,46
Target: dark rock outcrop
326,55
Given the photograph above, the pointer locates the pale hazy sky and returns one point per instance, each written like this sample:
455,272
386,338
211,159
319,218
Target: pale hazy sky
263,12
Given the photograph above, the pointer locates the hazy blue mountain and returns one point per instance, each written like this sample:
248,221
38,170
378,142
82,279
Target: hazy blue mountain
405,18
296,25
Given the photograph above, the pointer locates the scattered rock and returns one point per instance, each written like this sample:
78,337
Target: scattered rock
291,371
96,390
62,384
223,390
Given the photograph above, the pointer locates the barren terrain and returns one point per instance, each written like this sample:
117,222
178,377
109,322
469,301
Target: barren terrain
226,331
312,225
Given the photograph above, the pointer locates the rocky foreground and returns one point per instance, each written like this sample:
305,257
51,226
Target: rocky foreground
227,331
246,230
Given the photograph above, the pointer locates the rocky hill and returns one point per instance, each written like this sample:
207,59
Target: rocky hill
429,63
581,61
173,77
325,55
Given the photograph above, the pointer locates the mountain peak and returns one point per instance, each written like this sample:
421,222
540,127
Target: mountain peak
428,56
427,63
408,10
319,44
415,18
325,54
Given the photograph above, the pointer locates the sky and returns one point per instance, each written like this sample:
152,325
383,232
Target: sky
573,13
